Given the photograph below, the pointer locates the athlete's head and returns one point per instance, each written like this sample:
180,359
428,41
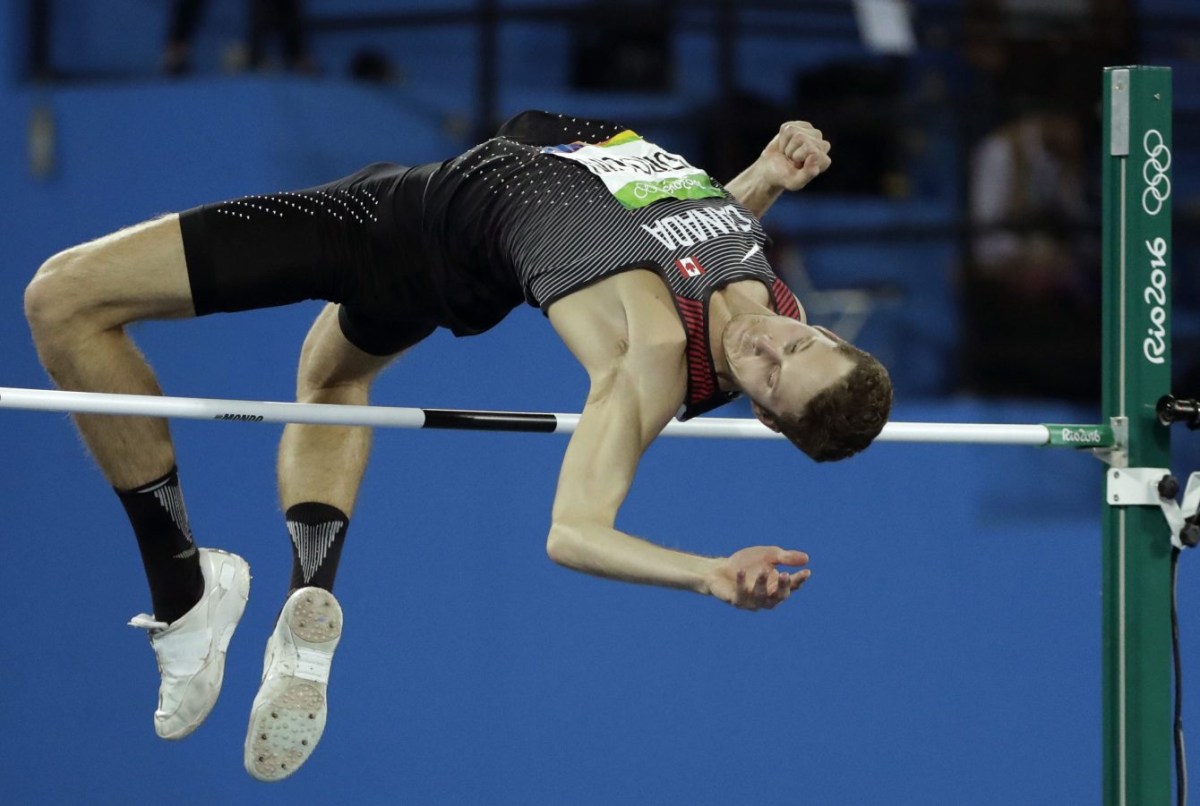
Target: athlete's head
825,395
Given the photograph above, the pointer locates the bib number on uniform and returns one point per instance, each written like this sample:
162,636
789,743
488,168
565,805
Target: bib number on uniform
638,173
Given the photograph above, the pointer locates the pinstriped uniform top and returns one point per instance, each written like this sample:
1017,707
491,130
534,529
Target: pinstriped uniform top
553,228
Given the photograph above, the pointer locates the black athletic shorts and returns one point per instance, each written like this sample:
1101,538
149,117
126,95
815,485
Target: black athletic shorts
355,241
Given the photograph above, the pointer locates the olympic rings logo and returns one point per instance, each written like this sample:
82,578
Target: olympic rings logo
1154,171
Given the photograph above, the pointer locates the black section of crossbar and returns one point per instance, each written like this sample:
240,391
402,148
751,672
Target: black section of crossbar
490,420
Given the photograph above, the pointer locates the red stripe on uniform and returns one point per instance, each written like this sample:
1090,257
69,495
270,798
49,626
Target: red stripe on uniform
700,384
785,300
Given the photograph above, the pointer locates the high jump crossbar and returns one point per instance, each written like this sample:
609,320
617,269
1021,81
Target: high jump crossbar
194,408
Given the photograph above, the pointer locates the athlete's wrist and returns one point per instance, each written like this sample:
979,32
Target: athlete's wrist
707,568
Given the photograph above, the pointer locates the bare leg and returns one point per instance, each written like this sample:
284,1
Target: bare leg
77,307
320,469
320,466
326,462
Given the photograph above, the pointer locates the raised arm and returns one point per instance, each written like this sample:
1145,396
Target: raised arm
793,158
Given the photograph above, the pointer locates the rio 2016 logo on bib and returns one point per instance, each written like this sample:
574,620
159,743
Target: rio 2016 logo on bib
638,173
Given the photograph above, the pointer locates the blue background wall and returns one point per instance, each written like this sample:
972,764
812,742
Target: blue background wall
946,649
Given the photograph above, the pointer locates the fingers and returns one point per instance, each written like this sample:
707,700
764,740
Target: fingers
789,557
799,138
799,126
803,145
815,164
749,591
765,583
767,588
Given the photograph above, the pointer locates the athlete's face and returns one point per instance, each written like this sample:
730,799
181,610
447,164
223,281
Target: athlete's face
780,363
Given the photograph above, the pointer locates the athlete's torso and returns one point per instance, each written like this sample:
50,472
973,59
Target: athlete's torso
512,217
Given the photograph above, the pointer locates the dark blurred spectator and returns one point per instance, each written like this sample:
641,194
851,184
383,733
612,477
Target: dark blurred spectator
372,67
1028,206
266,18
1032,287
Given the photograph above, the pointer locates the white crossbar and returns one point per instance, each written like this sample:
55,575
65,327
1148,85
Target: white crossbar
397,417
197,408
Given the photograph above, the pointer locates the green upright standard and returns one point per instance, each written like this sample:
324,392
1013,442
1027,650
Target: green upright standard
1137,371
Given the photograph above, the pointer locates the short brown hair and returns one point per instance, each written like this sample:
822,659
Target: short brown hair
843,419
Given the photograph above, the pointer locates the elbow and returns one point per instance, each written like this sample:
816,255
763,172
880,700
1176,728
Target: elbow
562,544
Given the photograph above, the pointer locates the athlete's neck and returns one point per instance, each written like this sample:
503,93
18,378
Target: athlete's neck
746,296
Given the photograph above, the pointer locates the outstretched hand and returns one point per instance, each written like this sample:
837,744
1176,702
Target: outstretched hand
748,579
795,156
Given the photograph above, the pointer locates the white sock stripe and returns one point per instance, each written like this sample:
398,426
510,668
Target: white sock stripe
171,499
158,485
296,531
312,542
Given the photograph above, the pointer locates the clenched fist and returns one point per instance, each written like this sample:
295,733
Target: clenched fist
795,156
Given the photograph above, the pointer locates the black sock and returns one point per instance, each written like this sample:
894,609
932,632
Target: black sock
317,531
164,538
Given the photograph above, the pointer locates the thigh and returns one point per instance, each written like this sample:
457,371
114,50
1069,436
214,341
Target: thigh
139,272
334,242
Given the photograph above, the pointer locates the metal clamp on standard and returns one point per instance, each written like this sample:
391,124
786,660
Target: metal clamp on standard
1155,486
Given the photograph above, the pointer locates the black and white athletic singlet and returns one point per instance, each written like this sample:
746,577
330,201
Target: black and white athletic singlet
559,229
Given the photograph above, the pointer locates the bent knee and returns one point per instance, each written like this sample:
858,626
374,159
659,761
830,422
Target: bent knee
332,370
53,301
134,274
318,382
324,381
345,394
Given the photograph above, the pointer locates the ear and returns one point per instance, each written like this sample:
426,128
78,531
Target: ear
765,417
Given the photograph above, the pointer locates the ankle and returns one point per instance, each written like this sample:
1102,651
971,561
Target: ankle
169,555
317,531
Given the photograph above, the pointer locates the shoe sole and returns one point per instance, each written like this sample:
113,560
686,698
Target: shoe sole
233,575
286,726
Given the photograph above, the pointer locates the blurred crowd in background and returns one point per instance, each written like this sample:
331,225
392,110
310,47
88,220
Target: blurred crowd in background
960,223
